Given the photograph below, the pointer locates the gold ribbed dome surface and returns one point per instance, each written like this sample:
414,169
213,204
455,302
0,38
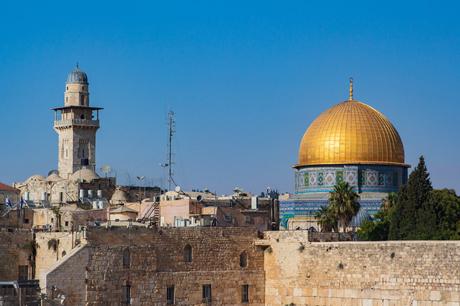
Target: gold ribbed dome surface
351,132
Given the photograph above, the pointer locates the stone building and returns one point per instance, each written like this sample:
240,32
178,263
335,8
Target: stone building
172,266
206,209
8,194
76,180
234,266
349,142
76,124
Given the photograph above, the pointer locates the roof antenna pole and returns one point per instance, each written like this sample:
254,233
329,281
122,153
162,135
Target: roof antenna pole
170,162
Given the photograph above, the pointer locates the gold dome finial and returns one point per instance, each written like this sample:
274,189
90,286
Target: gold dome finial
350,95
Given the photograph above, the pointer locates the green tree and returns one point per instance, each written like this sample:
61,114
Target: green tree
378,228
414,215
343,204
447,207
326,220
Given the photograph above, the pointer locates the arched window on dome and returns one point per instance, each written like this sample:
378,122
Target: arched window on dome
243,259
188,253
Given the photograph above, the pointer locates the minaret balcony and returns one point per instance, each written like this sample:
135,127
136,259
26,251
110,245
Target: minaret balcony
76,122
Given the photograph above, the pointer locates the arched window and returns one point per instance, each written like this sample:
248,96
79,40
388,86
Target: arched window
126,258
188,253
243,259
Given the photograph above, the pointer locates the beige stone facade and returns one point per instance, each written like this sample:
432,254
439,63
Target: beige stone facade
284,268
52,247
101,270
393,273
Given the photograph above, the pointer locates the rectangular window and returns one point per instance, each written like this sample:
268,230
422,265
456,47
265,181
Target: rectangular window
170,295
207,293
126,298
67,223
245,294
23,272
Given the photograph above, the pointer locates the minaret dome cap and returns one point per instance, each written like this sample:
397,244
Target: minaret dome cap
77,76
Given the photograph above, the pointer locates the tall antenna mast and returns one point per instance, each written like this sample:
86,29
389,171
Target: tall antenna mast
170,162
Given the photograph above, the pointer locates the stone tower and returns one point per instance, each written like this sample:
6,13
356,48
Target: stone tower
76,124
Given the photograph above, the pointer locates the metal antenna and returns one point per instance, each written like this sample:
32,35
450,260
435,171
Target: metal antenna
170,162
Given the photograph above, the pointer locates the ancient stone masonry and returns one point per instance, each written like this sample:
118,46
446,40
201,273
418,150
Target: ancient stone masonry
139,265
360,273
16,255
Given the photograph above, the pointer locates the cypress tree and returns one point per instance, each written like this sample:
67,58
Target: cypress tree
414,215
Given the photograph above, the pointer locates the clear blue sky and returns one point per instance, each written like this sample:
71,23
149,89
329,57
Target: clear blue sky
244,77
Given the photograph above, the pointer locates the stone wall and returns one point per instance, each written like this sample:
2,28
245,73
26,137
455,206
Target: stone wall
51,248
16,249
156,261
360,273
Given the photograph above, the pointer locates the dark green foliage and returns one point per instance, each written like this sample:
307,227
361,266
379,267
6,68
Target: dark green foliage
416,212
327,220
379,227
414,216
343,204
447,207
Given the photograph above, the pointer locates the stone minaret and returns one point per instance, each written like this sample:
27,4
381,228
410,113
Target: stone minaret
76,124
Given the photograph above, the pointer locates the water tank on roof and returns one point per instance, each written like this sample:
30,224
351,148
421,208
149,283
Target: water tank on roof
254,202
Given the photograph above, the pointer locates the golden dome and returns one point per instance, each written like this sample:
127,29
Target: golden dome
351,132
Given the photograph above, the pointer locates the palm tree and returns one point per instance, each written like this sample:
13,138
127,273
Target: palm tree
343,203
326,220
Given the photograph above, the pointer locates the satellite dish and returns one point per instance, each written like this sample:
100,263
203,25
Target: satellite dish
177,189
106,169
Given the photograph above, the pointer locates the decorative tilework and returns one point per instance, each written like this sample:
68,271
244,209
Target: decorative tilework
306,180
374,178
320,178
313,179
338,177
381,179
329,179
371,178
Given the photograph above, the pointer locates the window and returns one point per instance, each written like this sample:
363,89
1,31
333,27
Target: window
170,295
26,221
207,293
64,253
188,253
23,272
126,298
81,100
82,116
243,259
249,220
126,258
66,99
245,294
66,223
